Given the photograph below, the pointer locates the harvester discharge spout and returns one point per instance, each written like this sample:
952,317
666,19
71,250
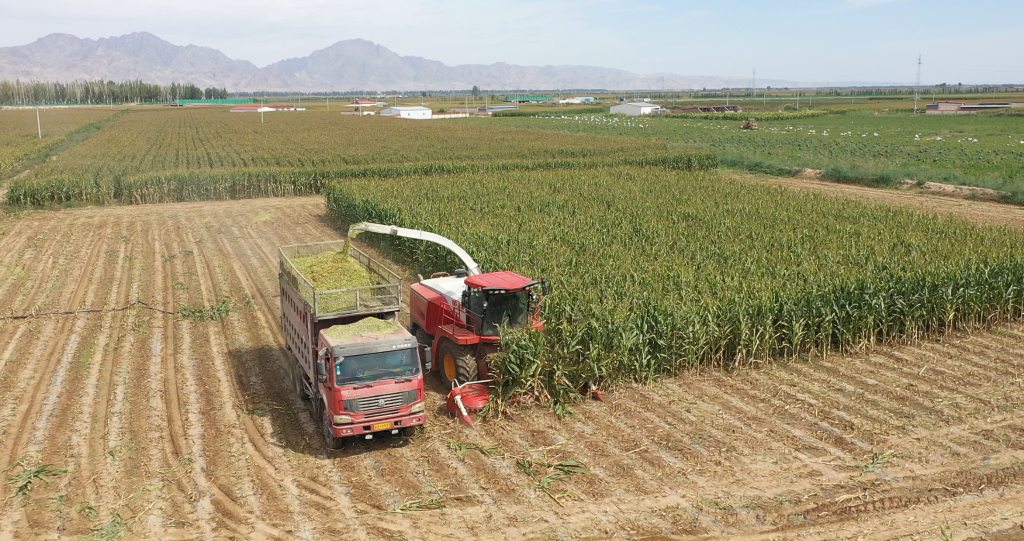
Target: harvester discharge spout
471,267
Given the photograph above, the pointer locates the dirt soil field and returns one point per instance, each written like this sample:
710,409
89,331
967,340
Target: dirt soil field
176,429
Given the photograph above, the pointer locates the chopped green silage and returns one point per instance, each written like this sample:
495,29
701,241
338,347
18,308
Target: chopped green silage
363,327
332,270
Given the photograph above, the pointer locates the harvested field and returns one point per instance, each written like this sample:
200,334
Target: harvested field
981,212
181,429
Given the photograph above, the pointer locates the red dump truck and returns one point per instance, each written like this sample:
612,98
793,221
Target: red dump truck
362,376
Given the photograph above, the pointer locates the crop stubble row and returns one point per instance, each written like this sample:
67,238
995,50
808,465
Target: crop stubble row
199,412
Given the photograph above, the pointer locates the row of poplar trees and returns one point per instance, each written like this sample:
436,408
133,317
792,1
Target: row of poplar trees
101,92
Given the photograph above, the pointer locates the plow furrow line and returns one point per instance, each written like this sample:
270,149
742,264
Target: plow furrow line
11,249
30,293
30,402
271,456
35,408
186,428
869,380
265,311
226,402
721,400
92,411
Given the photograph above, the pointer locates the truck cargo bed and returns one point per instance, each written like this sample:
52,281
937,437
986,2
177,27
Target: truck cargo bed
383,295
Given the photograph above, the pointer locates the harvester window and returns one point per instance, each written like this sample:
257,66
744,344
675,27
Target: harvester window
508,309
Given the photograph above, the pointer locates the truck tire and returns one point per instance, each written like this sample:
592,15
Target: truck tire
298,384
330,439
457,363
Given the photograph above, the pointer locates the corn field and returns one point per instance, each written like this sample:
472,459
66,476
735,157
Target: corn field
19,135
656,272
182,154
253,183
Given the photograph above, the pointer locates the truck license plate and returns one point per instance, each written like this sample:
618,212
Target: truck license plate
382,426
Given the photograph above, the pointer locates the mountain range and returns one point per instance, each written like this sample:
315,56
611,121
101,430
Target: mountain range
352,64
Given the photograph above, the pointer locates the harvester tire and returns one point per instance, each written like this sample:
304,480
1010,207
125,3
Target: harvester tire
457,363
330,440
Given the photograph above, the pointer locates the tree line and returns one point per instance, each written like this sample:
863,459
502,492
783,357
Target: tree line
101,92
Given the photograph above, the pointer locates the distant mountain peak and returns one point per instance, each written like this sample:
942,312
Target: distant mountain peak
350,64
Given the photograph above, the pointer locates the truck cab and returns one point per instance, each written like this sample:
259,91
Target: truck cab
368,382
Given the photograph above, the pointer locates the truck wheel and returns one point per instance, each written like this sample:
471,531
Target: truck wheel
329,438
300,388
457,363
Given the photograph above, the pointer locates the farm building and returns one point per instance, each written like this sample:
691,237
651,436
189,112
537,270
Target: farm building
265,108
585,99
962,108
436,116
415,112
635,109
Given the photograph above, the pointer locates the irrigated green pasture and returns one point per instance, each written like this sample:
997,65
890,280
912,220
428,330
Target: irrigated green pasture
877,148
19,136
660,271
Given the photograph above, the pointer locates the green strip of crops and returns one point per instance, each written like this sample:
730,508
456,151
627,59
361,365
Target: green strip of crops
252,183
759,116
656,272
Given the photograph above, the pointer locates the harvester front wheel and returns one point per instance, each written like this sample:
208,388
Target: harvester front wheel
457,363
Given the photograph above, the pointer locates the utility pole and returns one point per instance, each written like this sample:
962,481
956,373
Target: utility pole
39,124
917,83
753,84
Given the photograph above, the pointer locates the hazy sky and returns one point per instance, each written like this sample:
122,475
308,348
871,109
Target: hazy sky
797,40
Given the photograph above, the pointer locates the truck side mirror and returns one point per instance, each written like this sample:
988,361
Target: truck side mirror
321,370
427,359
545,286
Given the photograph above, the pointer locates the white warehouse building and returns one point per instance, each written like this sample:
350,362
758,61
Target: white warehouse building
416,112
635,109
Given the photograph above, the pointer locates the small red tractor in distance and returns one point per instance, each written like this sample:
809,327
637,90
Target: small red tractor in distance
459,317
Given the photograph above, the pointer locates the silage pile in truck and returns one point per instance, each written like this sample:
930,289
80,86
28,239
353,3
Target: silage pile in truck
356,365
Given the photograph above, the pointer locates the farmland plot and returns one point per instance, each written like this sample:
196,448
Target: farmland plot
19,138
170,139
184,154
659,271
165,427
862,147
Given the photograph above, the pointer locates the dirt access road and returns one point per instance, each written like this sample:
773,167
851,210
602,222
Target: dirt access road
176,429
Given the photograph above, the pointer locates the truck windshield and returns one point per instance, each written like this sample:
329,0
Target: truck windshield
372,367
508,309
